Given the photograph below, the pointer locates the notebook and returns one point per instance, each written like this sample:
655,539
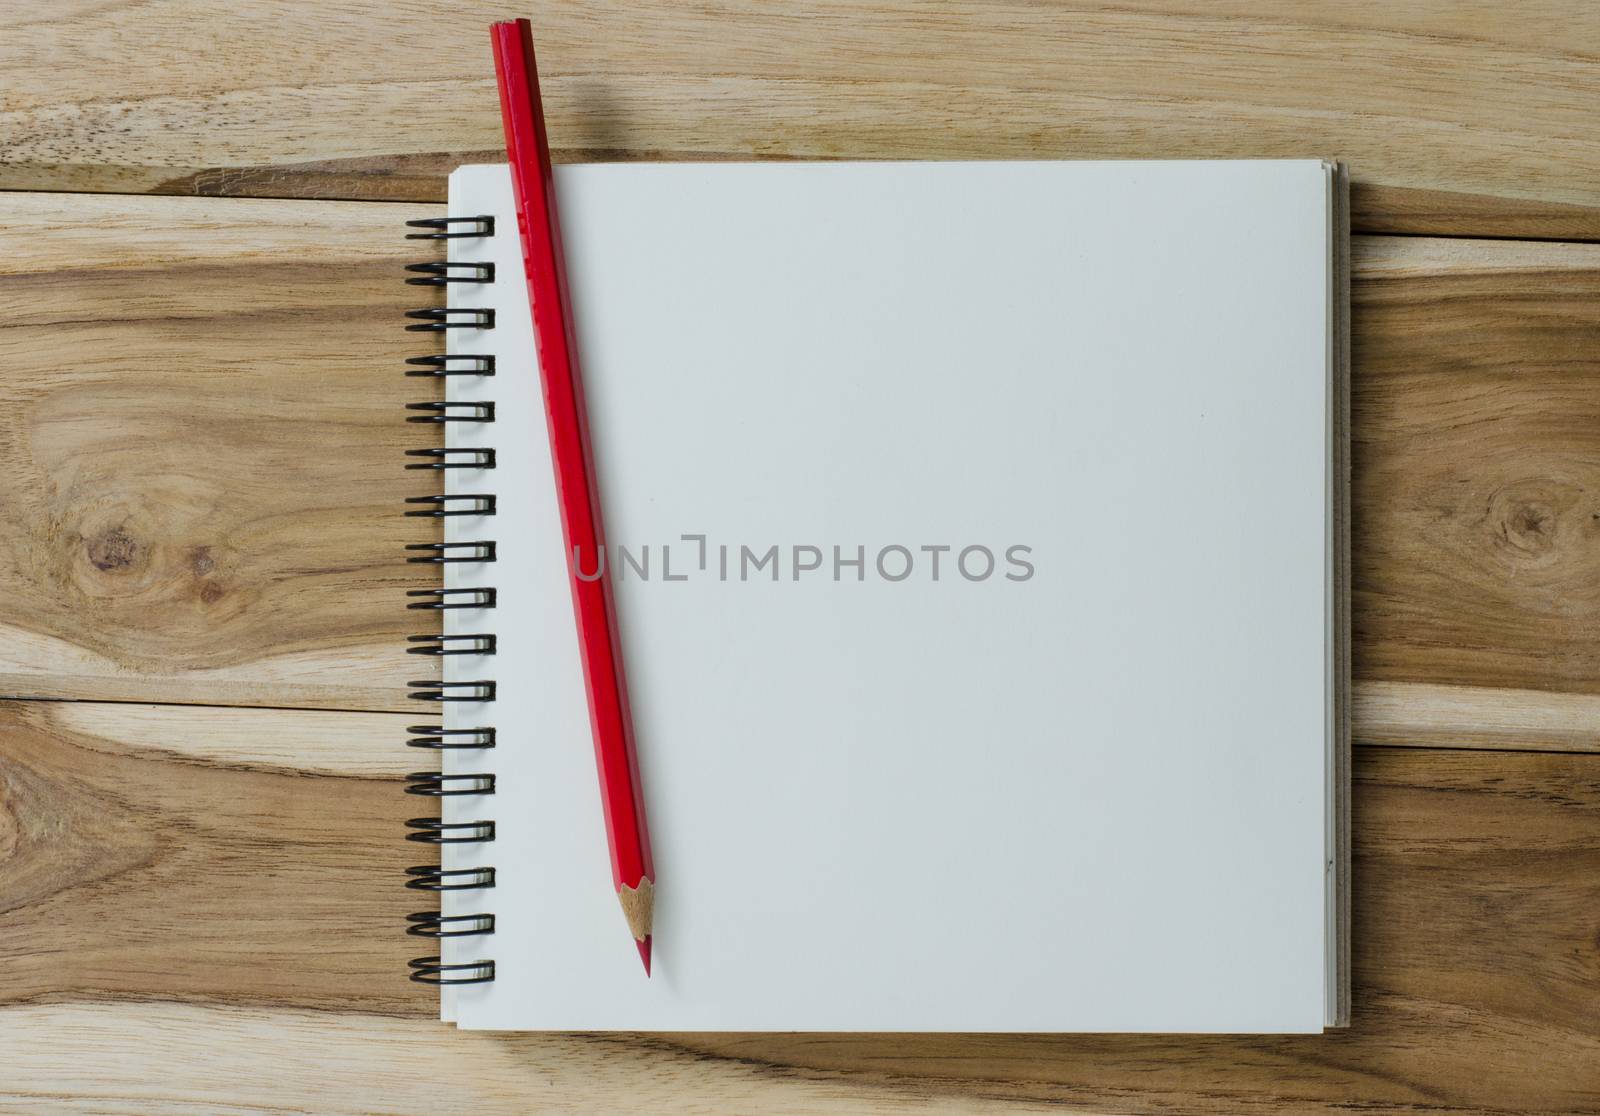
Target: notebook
978,536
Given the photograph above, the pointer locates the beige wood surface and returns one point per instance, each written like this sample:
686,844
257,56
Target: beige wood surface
1457,118
173,893
202,415
1476,462
201,419
202,411
200,439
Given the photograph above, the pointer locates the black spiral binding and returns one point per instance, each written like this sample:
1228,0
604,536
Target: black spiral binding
434,784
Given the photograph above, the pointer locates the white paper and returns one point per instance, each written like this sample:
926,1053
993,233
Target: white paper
1094,799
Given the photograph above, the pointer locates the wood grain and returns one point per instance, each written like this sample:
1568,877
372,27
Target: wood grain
178,902
301,741
201,424
202,417
200,906
182,865
1417,715
1476,451
1456,118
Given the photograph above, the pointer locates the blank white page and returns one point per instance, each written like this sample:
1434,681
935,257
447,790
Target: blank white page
1091,799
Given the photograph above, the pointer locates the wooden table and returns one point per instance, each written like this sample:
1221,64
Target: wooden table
200,565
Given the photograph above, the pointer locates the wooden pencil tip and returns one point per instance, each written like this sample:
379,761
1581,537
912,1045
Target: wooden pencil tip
638,907
644,952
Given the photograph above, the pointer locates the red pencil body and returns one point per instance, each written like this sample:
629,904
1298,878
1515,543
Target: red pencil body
529,152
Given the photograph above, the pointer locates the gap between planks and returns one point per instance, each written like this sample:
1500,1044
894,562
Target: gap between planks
1575,230
368,743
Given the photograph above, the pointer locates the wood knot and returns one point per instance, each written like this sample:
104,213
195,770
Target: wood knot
1529,522
112,550
10,824
1529,527
1532,520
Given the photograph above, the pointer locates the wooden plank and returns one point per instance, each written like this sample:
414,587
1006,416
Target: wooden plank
1417,715
202,415
260,903
280,741
201,423
1476,456
1456,118
185,864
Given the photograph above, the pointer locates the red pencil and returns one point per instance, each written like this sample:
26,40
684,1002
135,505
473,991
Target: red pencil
529,152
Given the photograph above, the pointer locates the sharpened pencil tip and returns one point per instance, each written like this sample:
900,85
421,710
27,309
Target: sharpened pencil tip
644,952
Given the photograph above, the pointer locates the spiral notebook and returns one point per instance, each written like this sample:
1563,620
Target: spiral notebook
979,543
